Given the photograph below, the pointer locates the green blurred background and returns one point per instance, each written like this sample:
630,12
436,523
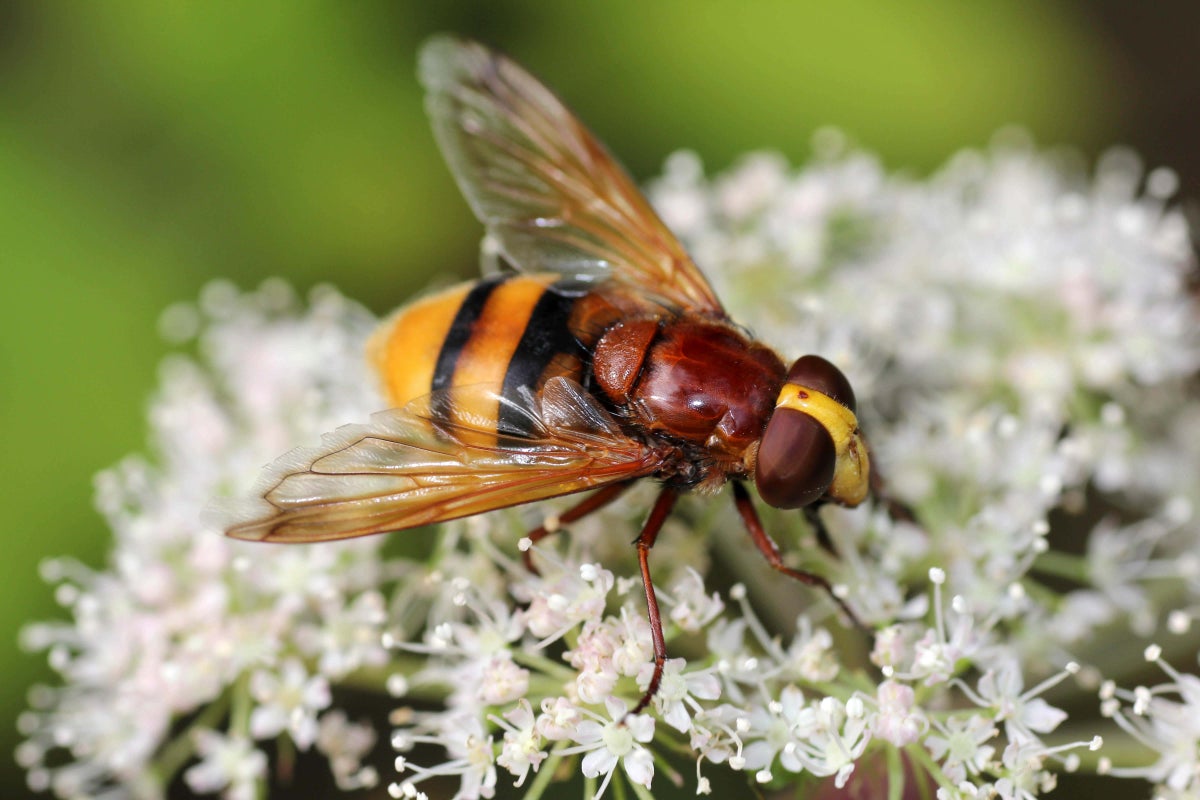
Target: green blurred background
146,148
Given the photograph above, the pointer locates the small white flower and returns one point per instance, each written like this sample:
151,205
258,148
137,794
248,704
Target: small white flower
229,765
896,721
345,744
830,736
349,636
1024,713
618,740
692,607
678,692
810,657
735,663
937,653
593,657
470,749
634,646
961,745
558,719
1171,727
1024,772
288,700
771,728
522,748
559,603
502,681
892,647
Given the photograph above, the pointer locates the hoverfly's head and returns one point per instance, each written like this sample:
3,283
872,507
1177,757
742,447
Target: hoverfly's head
812,447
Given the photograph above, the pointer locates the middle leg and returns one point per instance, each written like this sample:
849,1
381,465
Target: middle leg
593,502
645,540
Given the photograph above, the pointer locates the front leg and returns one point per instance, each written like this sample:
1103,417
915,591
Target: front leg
766,545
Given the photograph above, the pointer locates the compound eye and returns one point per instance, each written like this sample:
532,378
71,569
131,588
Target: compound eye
795,460
814,372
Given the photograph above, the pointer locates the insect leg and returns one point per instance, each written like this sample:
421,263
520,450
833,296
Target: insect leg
812,513
897,510
593,502
766,545
645,540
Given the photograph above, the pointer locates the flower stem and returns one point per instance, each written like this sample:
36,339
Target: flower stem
921,756
533,660
375,678
1062,565
239,716
175,753
641,791
618,786
1120,748
895,771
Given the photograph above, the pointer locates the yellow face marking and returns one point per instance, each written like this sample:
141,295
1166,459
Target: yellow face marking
852,469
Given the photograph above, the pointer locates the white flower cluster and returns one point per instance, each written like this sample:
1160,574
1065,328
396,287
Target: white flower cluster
1022,338
243,642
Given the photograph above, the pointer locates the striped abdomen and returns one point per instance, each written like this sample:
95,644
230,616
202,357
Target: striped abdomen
505,333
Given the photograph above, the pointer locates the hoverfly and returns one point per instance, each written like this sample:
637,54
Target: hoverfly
601,358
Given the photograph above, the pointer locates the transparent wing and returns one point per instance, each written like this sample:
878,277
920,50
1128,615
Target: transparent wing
427,463
550,194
